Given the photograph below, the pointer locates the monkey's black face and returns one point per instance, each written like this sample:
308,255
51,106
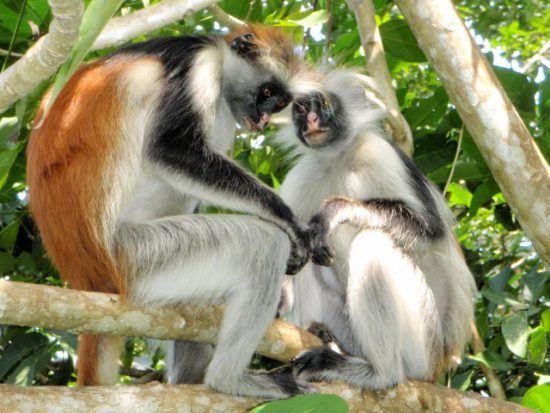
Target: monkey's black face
319,120
254,107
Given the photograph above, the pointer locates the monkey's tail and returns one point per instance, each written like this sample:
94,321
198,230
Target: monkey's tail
98,359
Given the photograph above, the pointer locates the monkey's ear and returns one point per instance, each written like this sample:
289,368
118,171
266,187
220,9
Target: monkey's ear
244,46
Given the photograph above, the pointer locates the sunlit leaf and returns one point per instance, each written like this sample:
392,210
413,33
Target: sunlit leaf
515,331
538,345
492,359
538,398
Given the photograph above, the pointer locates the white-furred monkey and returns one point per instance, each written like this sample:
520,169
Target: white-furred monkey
399,295
132,144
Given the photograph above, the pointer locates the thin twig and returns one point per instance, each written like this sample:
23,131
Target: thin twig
457,153
15,32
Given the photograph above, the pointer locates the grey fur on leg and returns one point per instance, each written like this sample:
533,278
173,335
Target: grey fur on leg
231,259
186,361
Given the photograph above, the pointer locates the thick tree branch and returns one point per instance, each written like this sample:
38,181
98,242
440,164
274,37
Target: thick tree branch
511,153
122,29
378,69
44,58
410,397
34,305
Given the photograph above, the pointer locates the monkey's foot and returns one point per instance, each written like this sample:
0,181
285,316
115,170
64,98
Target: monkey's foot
318,364
271,385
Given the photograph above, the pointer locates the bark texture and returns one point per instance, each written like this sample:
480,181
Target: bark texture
509,150
43,59
409,397
121,29
378,69
36,305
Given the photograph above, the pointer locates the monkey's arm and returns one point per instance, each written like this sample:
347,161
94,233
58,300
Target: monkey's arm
210,176
405,224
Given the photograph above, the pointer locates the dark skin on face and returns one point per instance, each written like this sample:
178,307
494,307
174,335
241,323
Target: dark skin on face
319,120
270,97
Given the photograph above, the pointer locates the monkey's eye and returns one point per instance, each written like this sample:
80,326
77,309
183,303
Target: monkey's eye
301,109
267,92
281,103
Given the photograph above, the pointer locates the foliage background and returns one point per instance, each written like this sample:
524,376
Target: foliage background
513,314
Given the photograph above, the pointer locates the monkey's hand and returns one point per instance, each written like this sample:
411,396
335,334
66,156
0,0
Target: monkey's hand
300,253
321,253
244,46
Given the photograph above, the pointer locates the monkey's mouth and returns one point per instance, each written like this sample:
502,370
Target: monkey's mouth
255,127
316,136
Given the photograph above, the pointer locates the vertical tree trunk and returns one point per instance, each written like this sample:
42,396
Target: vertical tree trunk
511,153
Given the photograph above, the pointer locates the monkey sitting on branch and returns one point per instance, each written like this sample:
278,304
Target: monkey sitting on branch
132,144
399,295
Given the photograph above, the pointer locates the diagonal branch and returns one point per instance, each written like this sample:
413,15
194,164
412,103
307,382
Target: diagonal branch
225,19
378,69
510,151
121,29
25,304
45,57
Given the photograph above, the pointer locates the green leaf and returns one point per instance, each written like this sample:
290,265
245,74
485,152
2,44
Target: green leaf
7,158
538,398
462,381
545,320
96,16
428,111
9,126
483,194
537,346
469,171
8,234
307,18
499,297
459,194
312,403
399,41
20,347
7,263
515,331
492,359
33,364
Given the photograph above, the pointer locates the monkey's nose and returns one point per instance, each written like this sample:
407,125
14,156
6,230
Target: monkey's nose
313,121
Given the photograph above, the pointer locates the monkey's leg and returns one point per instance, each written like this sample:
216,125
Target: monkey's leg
386,297
186,361
235,260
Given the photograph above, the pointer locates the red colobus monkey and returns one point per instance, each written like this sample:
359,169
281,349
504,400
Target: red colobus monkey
132,144
399,295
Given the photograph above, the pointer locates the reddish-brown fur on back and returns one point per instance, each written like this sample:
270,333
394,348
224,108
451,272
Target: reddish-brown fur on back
69,187
65,173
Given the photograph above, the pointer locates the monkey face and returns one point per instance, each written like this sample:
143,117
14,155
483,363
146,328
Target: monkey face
318,119
253,107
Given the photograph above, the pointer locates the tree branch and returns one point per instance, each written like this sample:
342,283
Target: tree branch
34,305
122,29
411,397
376,65
505,143
225,19
495,386
44,58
